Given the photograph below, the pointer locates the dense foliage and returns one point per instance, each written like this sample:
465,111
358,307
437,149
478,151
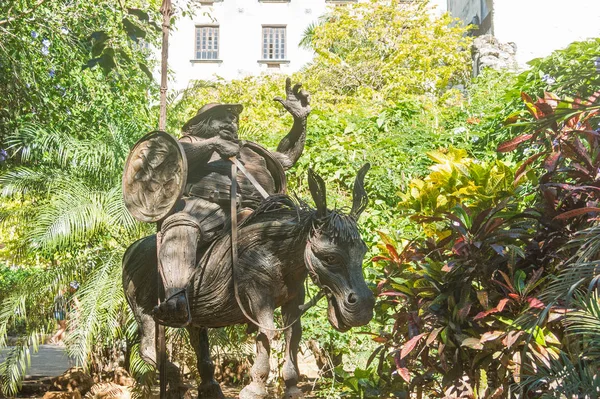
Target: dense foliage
76,83
70,64
500,296
482,223
383,52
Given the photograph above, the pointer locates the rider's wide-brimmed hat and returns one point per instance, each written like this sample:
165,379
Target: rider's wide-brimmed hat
211,109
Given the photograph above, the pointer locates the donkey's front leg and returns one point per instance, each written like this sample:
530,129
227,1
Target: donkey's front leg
291,314
209,388
261,368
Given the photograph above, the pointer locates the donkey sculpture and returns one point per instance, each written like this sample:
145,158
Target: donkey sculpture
280,244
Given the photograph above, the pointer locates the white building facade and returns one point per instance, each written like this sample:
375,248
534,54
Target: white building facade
537,27
237,38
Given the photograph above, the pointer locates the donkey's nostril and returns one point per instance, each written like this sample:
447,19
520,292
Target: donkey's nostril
352,298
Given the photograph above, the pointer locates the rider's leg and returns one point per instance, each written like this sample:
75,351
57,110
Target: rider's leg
182,232
177,254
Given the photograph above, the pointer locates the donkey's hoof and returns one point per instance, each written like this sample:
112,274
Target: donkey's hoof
293,393
254,391
210,390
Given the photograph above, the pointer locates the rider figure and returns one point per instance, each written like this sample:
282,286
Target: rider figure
210,139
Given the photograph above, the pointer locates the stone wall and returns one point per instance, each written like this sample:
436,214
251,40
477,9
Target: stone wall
488,52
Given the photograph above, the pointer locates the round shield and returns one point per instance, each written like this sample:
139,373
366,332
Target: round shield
154,177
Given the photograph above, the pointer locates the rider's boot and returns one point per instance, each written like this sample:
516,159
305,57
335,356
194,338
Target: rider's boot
177,262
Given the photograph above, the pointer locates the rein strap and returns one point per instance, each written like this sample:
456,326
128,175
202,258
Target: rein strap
234,247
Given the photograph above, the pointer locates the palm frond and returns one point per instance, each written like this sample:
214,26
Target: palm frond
563,379
116,211
143,372
584,323
14,366
97,154
78,213
24,180
575,277
248,131
30,302
587,243
12,308
32,299
233,340
101,301
72,215
307,36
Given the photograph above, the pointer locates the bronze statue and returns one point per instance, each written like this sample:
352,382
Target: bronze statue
210,140
280,244
214,277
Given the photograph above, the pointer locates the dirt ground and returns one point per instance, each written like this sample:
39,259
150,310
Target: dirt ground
51,360
34,389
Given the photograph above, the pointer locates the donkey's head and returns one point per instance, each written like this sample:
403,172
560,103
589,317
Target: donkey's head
334,256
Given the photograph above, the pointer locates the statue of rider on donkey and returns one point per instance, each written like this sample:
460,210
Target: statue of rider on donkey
205,187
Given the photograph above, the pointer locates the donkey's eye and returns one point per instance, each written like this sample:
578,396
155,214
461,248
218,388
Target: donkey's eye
331,259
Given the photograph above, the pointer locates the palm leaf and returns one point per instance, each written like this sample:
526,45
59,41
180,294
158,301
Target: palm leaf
563,379
14,366
307,36
100,305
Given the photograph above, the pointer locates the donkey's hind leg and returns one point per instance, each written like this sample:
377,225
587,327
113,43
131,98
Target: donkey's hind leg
209,388
147,326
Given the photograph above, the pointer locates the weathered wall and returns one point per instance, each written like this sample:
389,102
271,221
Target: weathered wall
540,26
488,52
467,10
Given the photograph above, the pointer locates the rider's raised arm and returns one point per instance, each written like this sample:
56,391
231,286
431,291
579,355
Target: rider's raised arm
297,103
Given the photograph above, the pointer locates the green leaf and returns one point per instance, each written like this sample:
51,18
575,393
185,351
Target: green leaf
472,343
145,69
133,31
91,63
99,36
98,47
519,281
381,119
107,62
142,15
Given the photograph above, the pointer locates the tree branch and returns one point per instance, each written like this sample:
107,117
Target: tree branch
24,13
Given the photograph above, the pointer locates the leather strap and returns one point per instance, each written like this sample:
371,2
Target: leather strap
234,253
249,176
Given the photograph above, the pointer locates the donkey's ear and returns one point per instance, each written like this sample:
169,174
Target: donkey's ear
360,200
316,185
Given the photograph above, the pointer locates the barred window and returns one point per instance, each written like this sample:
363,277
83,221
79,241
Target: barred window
207,42
273,42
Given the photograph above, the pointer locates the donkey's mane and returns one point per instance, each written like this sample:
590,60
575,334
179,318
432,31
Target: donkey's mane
297,218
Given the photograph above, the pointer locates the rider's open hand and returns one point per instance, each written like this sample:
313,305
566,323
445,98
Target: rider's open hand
297,101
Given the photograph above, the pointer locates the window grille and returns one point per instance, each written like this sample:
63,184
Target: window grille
207,42
274,42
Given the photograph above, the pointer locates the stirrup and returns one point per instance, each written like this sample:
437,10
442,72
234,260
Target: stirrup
169,322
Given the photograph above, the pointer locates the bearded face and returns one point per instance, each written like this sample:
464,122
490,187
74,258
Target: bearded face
223,124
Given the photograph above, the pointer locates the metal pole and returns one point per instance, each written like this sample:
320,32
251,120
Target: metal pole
166,11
